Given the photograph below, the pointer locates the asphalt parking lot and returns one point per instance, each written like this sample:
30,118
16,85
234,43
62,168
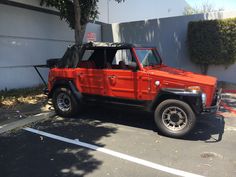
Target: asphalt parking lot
136,147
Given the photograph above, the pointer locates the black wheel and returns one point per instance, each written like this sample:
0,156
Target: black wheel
64,102
174,118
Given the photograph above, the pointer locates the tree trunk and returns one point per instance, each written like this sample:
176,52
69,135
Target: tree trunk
204,68
79,29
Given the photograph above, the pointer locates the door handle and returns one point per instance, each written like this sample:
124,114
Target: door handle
81,76
112,77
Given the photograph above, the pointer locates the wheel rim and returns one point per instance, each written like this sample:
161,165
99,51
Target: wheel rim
63,102
174,118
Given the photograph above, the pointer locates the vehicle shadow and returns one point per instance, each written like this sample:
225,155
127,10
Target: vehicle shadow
209,128
27,154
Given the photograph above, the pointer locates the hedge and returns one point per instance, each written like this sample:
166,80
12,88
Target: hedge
212,42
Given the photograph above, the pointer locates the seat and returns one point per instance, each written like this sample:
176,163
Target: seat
92,65
108,65
87,64
122,65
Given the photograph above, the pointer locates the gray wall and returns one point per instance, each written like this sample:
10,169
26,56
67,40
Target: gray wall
169,35
29,37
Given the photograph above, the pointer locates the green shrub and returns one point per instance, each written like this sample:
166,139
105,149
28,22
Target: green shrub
212,42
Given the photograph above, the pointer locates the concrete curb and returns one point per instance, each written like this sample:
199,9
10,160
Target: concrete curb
26,121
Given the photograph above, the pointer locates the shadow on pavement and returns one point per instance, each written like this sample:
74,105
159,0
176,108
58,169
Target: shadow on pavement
208,128
26,154
30,155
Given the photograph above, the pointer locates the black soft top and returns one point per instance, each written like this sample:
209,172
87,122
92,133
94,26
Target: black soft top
75,52
113,45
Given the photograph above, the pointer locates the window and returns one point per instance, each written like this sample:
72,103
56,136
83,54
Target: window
93,58
87,55
148,57
122,55
121,59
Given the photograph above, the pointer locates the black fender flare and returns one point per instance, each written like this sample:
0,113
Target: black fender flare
66,83
194,99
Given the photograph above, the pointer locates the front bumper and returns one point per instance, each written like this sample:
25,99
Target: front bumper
215,105
46,91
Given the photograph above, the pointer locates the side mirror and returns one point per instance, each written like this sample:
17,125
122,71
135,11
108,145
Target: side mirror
52,63
133,66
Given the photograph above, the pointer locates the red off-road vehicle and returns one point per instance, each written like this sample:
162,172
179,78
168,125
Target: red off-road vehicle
132,75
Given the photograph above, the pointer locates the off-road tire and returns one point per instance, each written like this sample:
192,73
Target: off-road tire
165,116
70,109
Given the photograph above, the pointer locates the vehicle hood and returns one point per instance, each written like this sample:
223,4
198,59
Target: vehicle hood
170,73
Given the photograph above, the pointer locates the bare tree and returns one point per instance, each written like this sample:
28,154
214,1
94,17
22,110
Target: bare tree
205,7
76,13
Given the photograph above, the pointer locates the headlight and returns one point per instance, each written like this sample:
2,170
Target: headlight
204,98
194,89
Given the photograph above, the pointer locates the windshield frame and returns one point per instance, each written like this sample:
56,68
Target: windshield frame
155,54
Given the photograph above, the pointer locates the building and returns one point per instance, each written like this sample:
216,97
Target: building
29,35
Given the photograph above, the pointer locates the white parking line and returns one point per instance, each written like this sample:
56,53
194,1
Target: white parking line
116,154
